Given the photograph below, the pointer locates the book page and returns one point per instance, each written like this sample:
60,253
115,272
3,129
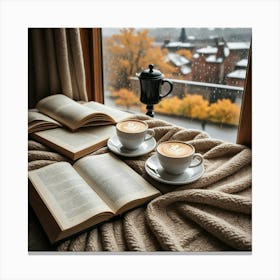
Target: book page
117,115
36,116
66,194
113,180
64,109
38,121
78,140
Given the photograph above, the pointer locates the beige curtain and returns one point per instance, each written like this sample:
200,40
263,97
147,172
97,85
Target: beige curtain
55,64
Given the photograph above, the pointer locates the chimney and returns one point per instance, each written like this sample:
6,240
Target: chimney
183,36
221,56
220,46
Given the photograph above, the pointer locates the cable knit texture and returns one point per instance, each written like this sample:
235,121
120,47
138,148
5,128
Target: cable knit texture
210,214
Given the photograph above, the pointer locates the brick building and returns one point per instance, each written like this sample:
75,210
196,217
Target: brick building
238,75
214,60
237,52
217,64
208,64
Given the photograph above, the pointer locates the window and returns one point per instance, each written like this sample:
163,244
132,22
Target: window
208,68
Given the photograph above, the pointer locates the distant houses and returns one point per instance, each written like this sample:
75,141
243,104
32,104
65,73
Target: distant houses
213,60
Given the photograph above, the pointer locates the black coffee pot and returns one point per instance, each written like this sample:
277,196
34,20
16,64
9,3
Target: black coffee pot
151,81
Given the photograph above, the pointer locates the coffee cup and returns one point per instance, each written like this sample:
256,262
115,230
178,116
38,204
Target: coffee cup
132,133
176,156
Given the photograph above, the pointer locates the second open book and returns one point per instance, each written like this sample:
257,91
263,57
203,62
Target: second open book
59,110
68,199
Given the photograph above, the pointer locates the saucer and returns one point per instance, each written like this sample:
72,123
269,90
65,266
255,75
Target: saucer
155,170
116,147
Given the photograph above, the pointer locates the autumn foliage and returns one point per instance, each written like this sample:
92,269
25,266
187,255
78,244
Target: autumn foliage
169,106
224,111
131,52
192,106
195,107
125,98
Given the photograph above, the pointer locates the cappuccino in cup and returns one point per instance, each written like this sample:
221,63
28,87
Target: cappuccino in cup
132,133
176,156
175,149
131,126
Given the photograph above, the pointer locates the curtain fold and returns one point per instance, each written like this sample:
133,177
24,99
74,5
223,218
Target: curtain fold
55,64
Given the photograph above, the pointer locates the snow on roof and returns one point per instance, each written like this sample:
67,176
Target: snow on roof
208,50
214,59
185,69
177,59
238,45
196,55
242,63
237,74
179,44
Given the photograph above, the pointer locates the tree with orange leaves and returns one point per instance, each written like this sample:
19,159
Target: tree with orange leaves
125,98
170,106
194,106
224,111
191,106
131,52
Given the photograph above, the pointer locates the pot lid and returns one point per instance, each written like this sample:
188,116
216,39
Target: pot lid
151,73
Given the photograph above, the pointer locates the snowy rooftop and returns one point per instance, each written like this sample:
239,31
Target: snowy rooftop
179,44
185,69
242,63
214,59
237,74
208,50
212,51
177,59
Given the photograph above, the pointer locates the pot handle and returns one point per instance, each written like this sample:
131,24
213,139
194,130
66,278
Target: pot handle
171,87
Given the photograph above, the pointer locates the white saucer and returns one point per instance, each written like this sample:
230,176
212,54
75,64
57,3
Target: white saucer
116,147
158,173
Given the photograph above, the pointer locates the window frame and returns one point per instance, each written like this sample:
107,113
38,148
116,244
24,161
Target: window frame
244,133
92,46
91,40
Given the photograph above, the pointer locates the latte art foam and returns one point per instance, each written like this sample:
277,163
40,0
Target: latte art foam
175,149
131,126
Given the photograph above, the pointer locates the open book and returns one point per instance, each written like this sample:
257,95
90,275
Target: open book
69,199
57,110
75,145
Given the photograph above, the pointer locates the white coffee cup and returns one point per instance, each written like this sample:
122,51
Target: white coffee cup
132,133
176,156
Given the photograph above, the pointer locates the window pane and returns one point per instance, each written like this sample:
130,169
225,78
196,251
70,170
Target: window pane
206,65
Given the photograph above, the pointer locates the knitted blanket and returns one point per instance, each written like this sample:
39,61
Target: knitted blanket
210,214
